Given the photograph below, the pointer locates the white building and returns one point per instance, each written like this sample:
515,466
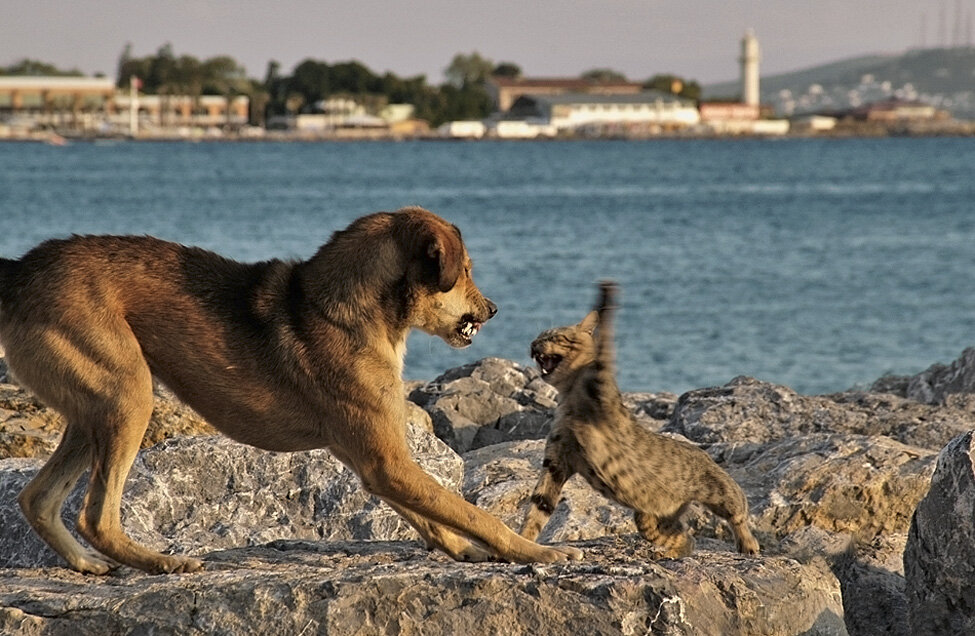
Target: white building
749,69
468,129
577,110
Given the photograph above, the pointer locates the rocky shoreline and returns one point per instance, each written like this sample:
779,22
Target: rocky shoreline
838,487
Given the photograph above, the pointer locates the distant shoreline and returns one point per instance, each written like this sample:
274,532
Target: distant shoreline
961,129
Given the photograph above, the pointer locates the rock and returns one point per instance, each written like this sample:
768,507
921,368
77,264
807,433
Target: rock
391,588
493,401
27,428
936,383
293,544
30,429
195,494
855,484
750,411
939,559
872,580
652,409
508,401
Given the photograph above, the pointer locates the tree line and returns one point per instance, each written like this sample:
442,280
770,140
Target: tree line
462,96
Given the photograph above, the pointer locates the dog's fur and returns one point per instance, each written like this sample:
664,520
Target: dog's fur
283,356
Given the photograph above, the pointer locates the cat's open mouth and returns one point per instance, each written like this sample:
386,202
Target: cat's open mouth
547,362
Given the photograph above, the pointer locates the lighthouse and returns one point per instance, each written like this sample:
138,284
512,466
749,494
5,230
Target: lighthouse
749,69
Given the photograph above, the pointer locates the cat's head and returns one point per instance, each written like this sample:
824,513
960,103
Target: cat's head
561,352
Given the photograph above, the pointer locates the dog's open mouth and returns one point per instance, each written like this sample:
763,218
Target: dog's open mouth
468,328
547,362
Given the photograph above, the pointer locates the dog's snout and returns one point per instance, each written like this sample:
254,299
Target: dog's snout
492,308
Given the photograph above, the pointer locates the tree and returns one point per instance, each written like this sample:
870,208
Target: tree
603,76
507,69
668,83
468,69
36,67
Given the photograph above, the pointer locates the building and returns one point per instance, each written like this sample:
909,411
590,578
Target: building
165,111
727,111
89,104
749,60
897,110
505,91
570,111
55,101
466,129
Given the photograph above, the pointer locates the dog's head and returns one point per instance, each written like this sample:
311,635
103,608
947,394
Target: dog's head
445,300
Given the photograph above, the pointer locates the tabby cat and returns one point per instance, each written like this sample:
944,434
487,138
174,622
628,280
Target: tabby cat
595,435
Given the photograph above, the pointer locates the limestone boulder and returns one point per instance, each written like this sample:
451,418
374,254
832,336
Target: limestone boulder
487,402
939,559
492,401
936,384
195,494
30,429
749,411
366,588
855,484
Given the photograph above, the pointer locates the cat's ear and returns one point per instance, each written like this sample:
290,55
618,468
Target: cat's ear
589,323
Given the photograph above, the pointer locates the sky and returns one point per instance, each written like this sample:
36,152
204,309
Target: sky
694,39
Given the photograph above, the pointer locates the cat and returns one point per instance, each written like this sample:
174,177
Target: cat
595,435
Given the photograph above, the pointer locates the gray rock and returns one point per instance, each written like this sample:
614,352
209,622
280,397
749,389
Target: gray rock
860,485
195,494
750,411
493,401
936,383
939,559
487,402
297,587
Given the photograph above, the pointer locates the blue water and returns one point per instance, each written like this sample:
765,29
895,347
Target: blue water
820,264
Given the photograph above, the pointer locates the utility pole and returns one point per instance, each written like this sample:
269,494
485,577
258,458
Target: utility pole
134,85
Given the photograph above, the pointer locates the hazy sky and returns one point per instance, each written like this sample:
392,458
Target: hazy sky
697,39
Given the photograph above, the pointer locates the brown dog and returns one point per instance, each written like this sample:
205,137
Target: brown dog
283,356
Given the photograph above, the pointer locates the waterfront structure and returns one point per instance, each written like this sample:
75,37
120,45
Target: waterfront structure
54,101
164,111
94,104
465,129
520,129
570,111
505,91
749,69
897,110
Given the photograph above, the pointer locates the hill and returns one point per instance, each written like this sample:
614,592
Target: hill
943,77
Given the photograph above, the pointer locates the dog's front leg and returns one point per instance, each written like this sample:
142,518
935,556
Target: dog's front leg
397,479
442,538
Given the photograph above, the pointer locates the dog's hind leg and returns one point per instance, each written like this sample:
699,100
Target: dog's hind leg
118,424
42,498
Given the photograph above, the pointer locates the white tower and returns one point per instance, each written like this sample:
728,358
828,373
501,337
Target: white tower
749,69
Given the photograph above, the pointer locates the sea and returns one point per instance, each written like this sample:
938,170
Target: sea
821,264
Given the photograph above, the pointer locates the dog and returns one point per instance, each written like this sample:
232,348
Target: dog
284,356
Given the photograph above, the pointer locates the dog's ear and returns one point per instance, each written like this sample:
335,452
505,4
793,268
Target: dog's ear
444,255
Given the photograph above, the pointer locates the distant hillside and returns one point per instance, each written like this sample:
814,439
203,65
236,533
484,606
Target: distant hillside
942,77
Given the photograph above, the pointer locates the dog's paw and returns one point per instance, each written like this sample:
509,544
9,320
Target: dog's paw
92,563
176,565
561,554
473,554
